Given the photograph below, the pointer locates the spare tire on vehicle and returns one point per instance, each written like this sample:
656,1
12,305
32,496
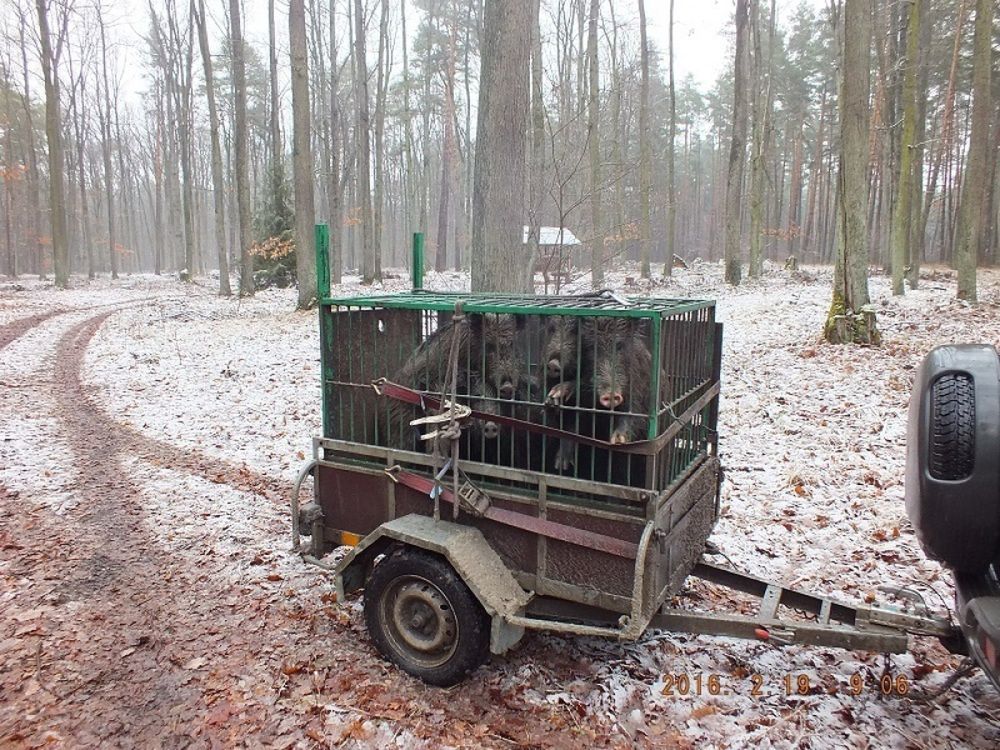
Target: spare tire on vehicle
953,456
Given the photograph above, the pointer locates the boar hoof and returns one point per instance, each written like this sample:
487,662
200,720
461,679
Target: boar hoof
563,463
559,394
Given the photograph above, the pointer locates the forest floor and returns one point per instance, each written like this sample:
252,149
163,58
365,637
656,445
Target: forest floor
149,435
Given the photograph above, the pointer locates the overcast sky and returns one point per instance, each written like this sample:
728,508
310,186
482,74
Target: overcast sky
702,32
701,47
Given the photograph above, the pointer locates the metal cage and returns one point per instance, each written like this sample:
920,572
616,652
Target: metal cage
593,387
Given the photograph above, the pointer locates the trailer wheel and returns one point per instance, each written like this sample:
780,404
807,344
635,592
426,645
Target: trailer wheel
422,617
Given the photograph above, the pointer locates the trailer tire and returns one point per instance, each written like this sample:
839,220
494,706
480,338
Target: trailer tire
424,619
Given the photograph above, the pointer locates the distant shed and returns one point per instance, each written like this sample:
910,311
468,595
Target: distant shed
553,237
555,247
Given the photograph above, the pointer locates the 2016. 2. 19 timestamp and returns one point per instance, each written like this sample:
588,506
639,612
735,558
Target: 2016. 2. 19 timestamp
759,686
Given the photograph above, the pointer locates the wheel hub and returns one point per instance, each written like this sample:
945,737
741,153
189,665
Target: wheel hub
420,620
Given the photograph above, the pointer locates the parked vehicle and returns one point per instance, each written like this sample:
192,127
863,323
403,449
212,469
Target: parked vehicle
953,484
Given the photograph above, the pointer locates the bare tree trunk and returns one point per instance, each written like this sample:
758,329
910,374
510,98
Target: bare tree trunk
498,193
81,141
618,139
902,219
109,192
946,134
34,180
274,123
795,192
668,267
448,150
53,134
763,92
240,148
364,153
594,147
917,219
218,188
382,84
9,203
536,178
645,150
185,50
126,215
850,319
410,198
971,218
815,179
336,187
305,217
737,151
158,239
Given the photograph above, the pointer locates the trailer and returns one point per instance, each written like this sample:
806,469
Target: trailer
503,463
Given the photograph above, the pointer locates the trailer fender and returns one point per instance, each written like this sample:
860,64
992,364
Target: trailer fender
468,552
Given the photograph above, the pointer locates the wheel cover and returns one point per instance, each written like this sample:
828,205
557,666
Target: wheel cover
419,621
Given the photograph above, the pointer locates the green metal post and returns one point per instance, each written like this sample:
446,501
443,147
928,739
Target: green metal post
322,234
417,269
654,386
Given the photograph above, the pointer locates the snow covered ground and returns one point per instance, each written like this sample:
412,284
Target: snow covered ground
812,439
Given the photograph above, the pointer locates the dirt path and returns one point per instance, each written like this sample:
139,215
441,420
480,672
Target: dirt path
119,636
17,328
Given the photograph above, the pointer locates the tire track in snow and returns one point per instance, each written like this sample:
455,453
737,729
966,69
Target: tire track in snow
79,396
123,637
17,328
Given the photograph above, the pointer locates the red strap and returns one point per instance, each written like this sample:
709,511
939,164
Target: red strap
410,396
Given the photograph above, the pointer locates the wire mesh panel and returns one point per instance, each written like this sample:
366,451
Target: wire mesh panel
596,387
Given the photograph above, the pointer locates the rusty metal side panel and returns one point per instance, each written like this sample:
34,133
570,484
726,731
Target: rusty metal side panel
683,524
589,570
516,547
351,500
358,503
